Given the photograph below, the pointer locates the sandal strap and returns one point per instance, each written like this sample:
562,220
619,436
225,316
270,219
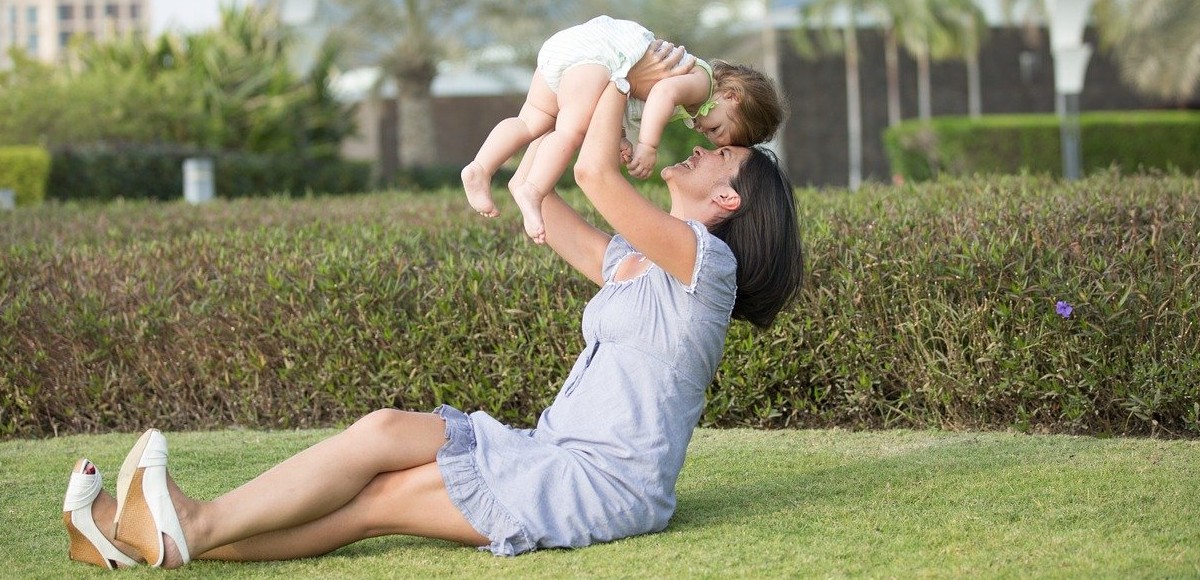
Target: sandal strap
82,490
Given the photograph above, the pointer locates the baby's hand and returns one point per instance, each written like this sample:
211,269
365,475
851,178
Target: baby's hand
626,151
643,161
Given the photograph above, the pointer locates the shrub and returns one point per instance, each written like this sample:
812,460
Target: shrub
108,173
925,306
25,170
1133,141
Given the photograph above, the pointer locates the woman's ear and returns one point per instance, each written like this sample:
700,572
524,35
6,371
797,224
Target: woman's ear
727,198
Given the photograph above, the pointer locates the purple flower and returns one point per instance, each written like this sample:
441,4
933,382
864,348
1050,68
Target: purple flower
1063,309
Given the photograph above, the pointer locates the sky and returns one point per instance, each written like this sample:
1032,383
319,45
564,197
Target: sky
188,15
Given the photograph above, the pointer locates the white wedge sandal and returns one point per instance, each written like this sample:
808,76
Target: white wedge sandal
88,544
144,508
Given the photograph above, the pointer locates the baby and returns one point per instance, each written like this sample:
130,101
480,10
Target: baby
729,104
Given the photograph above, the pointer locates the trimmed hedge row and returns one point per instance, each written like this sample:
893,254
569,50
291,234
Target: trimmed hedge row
1006,144
105,174
24,170
926,306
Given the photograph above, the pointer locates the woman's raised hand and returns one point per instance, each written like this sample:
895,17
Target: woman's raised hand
663,61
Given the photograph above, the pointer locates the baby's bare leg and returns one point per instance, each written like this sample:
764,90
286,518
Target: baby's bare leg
536,117
478,184
578,93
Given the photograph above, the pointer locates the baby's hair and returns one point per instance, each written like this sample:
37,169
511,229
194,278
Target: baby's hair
760,110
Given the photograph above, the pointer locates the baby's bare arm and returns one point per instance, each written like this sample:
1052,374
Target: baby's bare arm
687,90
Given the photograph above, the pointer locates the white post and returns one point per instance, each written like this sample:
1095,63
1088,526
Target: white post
8,200
1068,18
198,180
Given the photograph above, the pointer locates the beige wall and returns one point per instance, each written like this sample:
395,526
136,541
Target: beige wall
462,124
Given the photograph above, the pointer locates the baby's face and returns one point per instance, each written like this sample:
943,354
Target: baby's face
717,126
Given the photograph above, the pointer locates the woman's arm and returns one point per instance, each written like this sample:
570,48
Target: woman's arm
578,242
662,60
666,240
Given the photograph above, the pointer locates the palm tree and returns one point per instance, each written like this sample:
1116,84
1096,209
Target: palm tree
937,30
960,29
914,24
403,38
827,16
1156,44
408,39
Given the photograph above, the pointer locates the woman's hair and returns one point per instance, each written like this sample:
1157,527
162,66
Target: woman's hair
760,110
764,234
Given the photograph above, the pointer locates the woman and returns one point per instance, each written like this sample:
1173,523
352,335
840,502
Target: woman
604,458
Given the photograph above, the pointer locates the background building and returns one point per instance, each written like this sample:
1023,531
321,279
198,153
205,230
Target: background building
44,28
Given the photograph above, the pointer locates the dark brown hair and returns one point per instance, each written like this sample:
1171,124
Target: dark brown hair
764,234
760,109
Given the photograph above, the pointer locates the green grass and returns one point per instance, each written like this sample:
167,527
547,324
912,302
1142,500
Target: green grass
821,503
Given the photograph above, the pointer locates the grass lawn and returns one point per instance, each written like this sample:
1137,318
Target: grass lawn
751,504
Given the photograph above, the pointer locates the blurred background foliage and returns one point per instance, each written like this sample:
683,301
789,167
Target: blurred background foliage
227,89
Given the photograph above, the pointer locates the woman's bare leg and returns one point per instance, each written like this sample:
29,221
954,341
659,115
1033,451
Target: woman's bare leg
508,137
311,484
411,502
578,93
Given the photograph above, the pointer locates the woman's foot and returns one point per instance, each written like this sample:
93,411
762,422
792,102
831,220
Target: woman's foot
529,199
87,513
146,516
478,185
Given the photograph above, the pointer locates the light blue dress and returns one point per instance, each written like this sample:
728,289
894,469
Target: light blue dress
603,460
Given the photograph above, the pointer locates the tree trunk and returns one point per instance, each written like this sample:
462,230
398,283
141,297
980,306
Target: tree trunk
891,56
388,154
418,139
853,106
924,98
974,91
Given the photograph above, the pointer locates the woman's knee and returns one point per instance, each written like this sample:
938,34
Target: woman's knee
413,434
385,422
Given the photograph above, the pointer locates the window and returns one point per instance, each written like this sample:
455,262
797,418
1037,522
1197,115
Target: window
64,39
31,44
66,11
110,10
31,15
89,12
135,11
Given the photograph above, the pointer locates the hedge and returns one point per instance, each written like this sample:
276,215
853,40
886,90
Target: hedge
927,306
1006,144
108,173
24,170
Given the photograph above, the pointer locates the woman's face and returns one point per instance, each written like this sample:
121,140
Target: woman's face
701,173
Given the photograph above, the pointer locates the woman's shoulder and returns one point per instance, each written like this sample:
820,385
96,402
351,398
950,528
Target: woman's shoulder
706,242
715,262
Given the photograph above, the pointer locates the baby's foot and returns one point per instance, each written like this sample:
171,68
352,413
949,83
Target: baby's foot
529,200
478,185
